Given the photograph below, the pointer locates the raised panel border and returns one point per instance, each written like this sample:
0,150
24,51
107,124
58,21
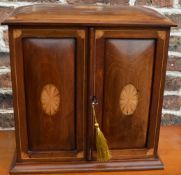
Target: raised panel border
16,35
161,36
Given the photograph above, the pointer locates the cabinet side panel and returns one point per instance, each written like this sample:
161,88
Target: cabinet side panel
49,72
127,90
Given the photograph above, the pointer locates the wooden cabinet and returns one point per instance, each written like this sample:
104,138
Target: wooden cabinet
59,63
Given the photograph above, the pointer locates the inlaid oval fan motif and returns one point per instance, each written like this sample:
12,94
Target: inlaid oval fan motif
50,99
128,99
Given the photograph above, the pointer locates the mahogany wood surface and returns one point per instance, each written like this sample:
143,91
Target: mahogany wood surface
126,59
45,130
87,15
39,138
60,57
169,151
61,61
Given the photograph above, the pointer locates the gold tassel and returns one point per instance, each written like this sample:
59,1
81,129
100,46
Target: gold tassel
103,153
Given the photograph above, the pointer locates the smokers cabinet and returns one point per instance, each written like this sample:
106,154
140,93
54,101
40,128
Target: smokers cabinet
64,56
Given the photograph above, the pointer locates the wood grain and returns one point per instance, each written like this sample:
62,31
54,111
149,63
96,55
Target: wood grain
121,55
169,150
42,60
87,16
127,61
80,52
117,54
43,67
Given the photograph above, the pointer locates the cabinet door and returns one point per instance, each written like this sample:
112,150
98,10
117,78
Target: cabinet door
49,79
128,85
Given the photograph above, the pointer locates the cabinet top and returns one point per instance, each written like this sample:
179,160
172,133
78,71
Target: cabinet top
43,14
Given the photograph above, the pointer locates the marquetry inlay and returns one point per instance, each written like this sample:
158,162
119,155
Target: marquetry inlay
50,99
128,99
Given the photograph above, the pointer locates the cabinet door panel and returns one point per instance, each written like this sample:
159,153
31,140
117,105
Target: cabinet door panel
49,86
49,66
127,85
128,65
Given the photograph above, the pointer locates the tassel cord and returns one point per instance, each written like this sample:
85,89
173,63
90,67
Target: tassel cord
94,115
103,153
